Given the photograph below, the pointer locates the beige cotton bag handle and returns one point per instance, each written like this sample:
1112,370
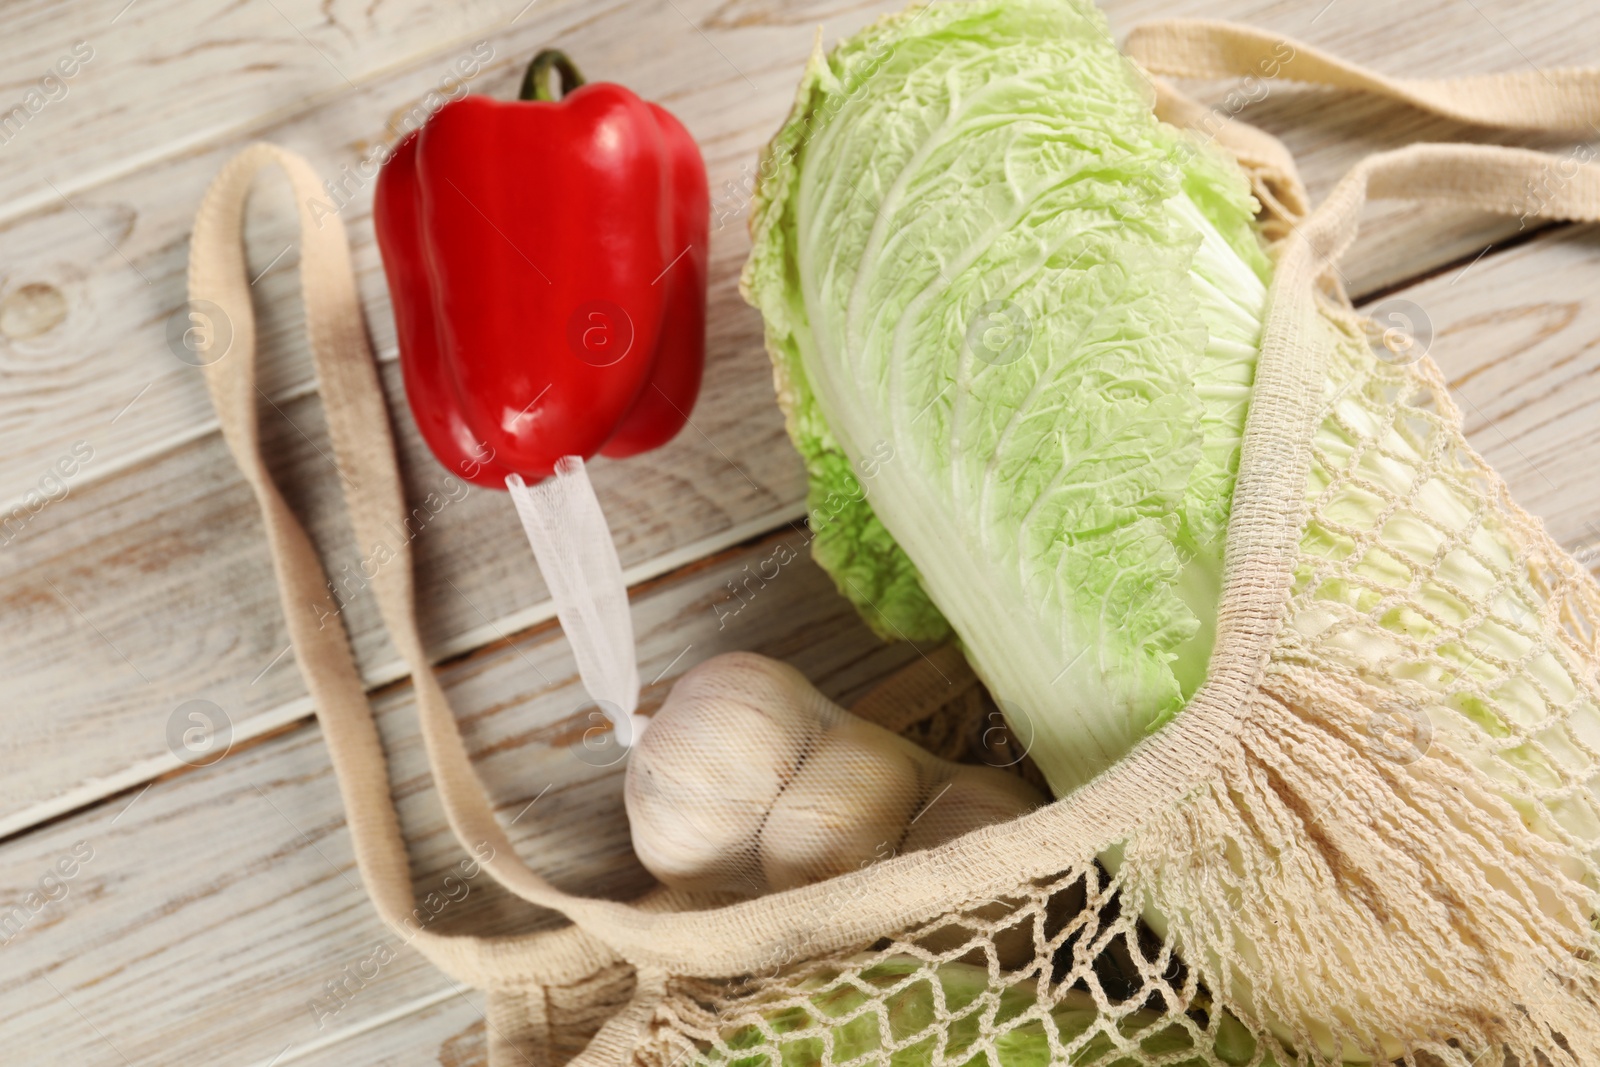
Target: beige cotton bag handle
861,906
364,451
1563,99
1560,100
513,968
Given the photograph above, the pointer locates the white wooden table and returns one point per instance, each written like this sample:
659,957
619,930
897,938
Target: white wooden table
209,908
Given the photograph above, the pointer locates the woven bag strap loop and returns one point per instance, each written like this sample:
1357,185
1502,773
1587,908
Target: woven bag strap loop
365,457
1507,181
1560,100
1274,177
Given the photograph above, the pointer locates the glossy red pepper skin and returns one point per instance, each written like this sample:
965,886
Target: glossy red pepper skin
547,266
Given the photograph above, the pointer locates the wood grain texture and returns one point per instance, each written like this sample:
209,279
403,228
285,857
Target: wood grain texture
116,252
450,1031
251,853
160,78
218,904
146,587
115,614
1518,337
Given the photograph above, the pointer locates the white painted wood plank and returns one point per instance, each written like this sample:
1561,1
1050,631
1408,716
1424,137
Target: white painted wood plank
1518,337
107,88
447,1029
148,585
115,616
205,916
214,907
116,253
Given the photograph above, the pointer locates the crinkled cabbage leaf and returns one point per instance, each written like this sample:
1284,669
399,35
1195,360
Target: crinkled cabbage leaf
1013,321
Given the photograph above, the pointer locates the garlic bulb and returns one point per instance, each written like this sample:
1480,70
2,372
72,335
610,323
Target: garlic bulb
750,780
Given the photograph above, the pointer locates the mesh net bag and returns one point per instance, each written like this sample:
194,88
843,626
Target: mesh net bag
1371,835
1372,873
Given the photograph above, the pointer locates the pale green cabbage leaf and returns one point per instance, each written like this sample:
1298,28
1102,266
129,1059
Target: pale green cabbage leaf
1014,321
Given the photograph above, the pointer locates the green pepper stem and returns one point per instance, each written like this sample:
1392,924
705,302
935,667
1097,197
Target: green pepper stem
536,83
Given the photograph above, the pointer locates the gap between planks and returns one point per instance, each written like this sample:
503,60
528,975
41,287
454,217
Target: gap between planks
21,206
99,790
389,354
686,556
292,1052
198,430
1540,231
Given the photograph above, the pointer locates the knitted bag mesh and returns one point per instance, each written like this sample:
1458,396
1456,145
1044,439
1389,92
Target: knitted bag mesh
1395,859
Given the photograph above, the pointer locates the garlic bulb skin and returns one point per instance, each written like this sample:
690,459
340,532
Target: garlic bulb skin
706,772
847,805
749,780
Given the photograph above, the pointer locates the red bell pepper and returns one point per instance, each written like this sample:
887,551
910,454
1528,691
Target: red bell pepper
547,264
